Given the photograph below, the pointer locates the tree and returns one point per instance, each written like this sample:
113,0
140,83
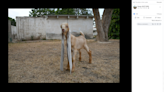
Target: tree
65,11
13,22
114,28
102,26
38,12
83,11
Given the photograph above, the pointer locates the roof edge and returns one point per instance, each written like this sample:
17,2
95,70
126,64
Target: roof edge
59,16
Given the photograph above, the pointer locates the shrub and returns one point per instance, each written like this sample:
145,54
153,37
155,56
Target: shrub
114,28
44,39
23,40
32,37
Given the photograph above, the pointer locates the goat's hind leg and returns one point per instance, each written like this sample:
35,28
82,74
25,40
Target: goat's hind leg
79,55
89,53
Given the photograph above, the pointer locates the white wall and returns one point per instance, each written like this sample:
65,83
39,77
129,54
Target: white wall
53,30
49,28
82,24
28,27
13,31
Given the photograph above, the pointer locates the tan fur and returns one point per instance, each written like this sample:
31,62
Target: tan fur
77,43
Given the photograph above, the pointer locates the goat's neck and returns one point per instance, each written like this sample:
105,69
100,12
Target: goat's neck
65,34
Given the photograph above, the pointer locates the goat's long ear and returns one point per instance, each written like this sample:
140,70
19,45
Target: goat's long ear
60,26
67,26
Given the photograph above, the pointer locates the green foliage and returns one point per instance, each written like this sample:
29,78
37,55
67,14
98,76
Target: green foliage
44,39
32,37
13,22
114,28
38,12
65,11
83,11
23,40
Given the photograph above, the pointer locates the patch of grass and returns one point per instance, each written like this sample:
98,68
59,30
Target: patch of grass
44,39
57,40
23,40
9,44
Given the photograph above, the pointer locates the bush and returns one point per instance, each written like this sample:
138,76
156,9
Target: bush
13,22
32,37
23,40
114,28
44,39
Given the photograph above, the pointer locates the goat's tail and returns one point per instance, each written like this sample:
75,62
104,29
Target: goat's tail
82,33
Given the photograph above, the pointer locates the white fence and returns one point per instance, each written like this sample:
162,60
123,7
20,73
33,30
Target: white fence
14,32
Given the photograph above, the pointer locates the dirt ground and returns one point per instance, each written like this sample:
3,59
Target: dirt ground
39,62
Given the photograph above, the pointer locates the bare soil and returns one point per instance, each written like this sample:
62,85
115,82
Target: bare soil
39,62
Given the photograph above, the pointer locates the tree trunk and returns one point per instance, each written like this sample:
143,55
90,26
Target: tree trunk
106,18
100,32
103,16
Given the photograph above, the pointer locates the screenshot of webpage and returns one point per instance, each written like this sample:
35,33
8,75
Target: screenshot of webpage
147,45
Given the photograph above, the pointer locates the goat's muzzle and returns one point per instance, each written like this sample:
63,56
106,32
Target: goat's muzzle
63,30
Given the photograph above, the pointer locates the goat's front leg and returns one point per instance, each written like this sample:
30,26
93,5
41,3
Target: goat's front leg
68,68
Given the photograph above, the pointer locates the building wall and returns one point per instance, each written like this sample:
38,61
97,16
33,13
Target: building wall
53,30
30,28
49,28
13,31
82,24
9,31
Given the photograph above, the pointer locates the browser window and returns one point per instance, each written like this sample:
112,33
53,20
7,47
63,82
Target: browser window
147,45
